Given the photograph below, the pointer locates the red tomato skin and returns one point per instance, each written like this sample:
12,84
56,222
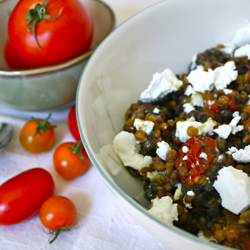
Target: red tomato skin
72,123
197,166
67,164
23,195
61,39
11,58
57,211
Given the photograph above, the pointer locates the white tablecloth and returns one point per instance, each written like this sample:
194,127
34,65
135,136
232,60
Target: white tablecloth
102,222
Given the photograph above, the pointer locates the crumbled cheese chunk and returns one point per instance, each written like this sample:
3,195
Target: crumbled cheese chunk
226,129
197,99
178,192
127,149
233,185
203,128
203,155
185,149
242,36
201,80
156,111
223,131
225,74
201,236
161,84
219,78
227,91
190,193
189,90
163,149
188,107
153,176
164,209
243,51
193,62
240,155
146,126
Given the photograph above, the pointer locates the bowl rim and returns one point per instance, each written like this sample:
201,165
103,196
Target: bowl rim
67,64
115,188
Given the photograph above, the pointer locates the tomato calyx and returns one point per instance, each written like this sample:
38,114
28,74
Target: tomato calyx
77,149
36,15
57,231
43,125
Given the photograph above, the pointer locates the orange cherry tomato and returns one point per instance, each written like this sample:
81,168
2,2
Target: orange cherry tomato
198,158
70,160
37,135
57,214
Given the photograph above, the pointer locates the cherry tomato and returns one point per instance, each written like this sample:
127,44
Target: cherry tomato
37,135
23,195
211,107
72,123
198,156
70,160
64,31
13,61
58,213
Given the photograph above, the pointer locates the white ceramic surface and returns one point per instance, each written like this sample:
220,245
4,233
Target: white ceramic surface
165,35
51,87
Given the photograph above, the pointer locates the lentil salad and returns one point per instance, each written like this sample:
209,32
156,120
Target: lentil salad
188,170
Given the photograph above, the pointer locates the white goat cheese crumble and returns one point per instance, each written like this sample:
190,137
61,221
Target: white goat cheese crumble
196,97
161,84
188,107
226,129
243,51
153,176
201,80
164,209
233,186
203,128
185,149
219,78
223,75
163,149
156,111
240,155
146,126
178,192
127,149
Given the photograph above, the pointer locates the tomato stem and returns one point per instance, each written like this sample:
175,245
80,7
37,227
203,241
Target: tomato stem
77,149
43,125
57,231
36,15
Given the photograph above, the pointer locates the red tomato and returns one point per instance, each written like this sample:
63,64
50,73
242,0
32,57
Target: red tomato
196,163
211,106
12,59
58,213
70,160
23,195
37,135
67,35
72,123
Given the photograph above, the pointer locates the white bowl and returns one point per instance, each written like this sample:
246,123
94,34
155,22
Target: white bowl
165,35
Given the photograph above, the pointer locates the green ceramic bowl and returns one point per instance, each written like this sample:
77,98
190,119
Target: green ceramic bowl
50,87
